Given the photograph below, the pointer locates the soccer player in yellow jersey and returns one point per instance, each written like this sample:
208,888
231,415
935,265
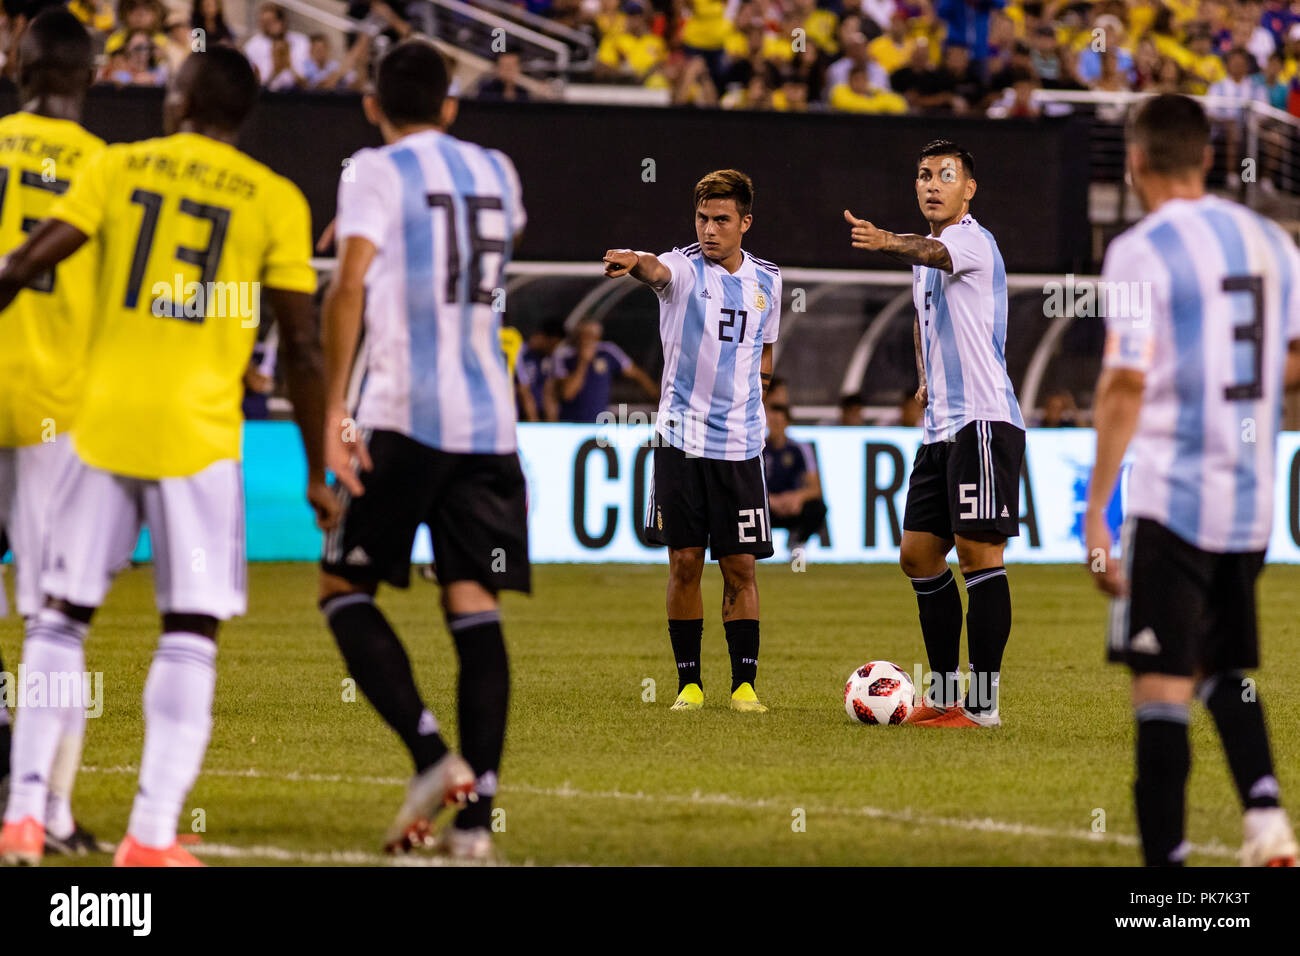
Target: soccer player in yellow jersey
42,151
191,232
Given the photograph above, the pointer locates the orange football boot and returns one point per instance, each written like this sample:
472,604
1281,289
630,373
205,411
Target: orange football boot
22,843
131,852
925,712
961,717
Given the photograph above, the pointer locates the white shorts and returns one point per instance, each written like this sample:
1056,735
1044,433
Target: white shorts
196,527
28,477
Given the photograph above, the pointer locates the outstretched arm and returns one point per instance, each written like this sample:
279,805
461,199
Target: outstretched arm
641,266
909,249
48,245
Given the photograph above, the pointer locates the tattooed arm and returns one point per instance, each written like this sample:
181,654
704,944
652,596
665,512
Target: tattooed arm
909,249
922,392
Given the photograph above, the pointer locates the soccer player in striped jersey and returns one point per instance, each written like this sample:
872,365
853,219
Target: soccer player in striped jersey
965,482
719,315
1194,385
190,230
425,228
42,365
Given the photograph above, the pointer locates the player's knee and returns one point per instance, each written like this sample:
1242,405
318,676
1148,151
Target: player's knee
332,586
737,574
919,563
204,625
685,568
975,554
467,597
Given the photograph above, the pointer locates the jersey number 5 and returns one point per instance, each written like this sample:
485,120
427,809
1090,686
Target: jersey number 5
1253,333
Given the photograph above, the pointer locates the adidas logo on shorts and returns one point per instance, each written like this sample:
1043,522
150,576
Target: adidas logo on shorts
357,556
1144,642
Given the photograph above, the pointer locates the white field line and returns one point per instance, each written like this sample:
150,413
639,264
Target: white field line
696,798
276,854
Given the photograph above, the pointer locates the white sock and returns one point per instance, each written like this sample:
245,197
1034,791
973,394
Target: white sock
67,760
53,659
177,724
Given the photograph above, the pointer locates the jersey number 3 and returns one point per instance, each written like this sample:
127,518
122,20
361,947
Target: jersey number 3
1251,390
208,258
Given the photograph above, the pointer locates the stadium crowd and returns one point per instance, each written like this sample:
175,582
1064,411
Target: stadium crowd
143,41
940,57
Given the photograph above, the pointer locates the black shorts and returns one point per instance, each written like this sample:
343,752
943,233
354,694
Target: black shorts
971,483
1188,612
706,502
476,507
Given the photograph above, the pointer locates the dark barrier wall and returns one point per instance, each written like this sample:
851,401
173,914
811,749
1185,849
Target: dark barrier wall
582,168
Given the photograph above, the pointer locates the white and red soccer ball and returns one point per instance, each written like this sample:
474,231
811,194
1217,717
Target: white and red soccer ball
879,693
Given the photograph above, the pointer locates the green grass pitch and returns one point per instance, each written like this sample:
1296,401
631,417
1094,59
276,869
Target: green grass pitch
596,774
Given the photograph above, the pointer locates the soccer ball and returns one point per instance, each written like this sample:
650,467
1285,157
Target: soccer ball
879,693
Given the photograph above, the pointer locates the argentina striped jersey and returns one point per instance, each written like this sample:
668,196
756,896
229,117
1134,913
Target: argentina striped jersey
713,326
442,214
1221,283
963,316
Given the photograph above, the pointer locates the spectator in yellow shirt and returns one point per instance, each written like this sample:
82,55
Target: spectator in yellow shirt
634,53
704,33
792,97
858,96
1206,68
705,26
133,15
779,47
892,50
819,25
97,15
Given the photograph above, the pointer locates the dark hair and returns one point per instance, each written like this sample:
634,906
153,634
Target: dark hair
1172,130
946,147
412,83
851,400
222,87
727,184
55,55
220,32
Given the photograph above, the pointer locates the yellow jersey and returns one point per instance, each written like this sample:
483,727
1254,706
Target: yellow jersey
46,330
642,54
707,27
191,229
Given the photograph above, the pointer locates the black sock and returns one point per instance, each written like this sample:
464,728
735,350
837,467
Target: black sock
483,698
1240,719
378,663
686,636
939,606
988,624
1164,758
742,644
